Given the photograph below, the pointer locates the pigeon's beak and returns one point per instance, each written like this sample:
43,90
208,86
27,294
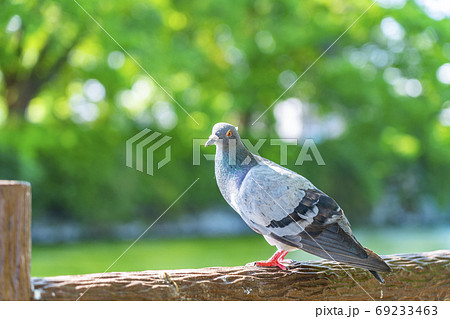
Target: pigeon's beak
212,140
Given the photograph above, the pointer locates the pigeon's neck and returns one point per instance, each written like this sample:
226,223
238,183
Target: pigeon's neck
235,157
232,165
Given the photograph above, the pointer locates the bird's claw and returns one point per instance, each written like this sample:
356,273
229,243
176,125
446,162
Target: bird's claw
286,262
270,263
263,263
277,260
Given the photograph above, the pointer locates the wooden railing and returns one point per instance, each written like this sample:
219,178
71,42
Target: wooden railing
420,276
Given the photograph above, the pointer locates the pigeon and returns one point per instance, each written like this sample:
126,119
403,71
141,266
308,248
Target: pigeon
285,207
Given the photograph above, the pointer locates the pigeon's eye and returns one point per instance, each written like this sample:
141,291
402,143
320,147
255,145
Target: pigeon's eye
229,133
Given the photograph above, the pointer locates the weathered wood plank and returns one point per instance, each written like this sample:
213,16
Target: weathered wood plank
15,240
421,276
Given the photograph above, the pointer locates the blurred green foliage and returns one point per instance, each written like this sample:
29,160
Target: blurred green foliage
70,98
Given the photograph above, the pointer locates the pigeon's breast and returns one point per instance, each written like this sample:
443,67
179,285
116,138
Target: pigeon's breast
229,180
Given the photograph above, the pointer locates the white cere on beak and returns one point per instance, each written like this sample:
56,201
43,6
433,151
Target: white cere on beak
212,140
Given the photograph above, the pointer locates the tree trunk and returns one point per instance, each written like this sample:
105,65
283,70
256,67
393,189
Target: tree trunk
422,276
15,240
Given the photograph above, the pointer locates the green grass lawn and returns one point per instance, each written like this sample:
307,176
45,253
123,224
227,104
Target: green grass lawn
154,254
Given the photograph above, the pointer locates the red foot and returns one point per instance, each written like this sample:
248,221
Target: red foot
274,261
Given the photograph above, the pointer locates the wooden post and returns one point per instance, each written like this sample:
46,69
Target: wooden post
15,240
421,276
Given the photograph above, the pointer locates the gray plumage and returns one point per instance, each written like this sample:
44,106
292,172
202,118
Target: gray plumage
285,207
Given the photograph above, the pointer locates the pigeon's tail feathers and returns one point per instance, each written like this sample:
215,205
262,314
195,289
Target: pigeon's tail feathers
372,263
376,263
334,240
377,276
334,243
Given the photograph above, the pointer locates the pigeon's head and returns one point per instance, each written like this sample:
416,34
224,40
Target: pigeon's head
223,132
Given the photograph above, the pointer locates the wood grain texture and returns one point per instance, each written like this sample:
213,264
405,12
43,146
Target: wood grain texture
421,276
15,240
